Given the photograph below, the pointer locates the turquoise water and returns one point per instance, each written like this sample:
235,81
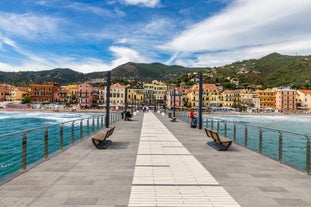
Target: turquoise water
58,123
283,137
297,124
19,121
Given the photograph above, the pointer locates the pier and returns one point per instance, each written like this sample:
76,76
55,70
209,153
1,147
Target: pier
155,162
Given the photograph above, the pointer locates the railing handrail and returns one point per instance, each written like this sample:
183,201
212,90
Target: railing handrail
273,129
47,126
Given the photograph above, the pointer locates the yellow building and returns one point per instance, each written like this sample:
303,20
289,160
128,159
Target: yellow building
267,98
304,99
72,94
135,95
231,98
154,93
210,96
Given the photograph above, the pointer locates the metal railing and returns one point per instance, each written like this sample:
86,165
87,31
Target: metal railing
19,150
290,148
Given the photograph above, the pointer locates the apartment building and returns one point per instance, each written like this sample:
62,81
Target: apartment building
304,99
155,92
85,95
72,93
267,98
285,99
43,93
117,96
174,94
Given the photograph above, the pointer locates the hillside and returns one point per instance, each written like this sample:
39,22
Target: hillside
270,71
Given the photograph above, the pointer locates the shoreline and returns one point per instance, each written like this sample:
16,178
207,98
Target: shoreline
119,111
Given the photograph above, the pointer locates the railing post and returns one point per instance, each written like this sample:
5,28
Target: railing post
24,152
81,129
308,155
87,126
46,143
206,122
97,122
73,132
212,124
93,125
102,121
246,136
280,146
218,126
61,137
225,134
234,133
260,141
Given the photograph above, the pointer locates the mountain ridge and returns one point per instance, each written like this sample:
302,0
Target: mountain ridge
271,70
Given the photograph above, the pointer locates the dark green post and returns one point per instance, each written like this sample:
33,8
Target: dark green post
108,100
200,100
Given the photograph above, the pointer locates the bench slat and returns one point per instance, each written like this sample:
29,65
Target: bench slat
100,139
223,141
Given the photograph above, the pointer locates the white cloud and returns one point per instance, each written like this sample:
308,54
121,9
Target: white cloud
146,3
28,25
82,64
247,25
124,55
93,9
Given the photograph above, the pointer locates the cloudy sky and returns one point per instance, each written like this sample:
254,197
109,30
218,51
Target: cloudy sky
99,35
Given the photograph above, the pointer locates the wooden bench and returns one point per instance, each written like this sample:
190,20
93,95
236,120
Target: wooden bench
223,142
100,140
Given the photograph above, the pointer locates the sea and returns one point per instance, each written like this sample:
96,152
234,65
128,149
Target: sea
15,121
292,123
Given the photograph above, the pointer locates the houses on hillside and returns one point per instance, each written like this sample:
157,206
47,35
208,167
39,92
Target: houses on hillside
160,95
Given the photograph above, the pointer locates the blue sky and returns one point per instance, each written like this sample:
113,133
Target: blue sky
99,35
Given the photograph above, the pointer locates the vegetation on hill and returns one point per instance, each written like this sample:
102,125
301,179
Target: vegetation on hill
270,71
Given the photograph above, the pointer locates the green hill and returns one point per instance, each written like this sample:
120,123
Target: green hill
270,71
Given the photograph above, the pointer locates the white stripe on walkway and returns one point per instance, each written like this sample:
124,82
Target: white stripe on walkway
166,174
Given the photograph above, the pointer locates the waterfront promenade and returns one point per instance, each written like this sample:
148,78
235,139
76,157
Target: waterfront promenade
155,162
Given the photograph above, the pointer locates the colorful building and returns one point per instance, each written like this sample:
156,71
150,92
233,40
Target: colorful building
43,93
174,94
285,99
85,95
304,99
72,93
117,96
267,98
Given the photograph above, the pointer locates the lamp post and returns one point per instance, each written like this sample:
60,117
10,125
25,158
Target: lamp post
174,104
107,100
200,100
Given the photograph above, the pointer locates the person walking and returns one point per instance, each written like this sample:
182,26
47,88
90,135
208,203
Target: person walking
191,115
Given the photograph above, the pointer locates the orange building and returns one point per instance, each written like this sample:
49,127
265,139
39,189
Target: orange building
43,93
267,98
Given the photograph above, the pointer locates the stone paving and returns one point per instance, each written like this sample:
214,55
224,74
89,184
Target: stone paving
169,162
167,174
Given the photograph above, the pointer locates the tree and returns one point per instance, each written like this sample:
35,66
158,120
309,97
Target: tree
26,100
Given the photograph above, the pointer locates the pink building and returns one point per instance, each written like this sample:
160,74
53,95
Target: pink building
285,99
85,95
178,98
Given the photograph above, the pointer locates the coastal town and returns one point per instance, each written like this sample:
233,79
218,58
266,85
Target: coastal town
155,95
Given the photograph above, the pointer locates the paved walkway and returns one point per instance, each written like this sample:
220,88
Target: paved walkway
154,164
167,174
